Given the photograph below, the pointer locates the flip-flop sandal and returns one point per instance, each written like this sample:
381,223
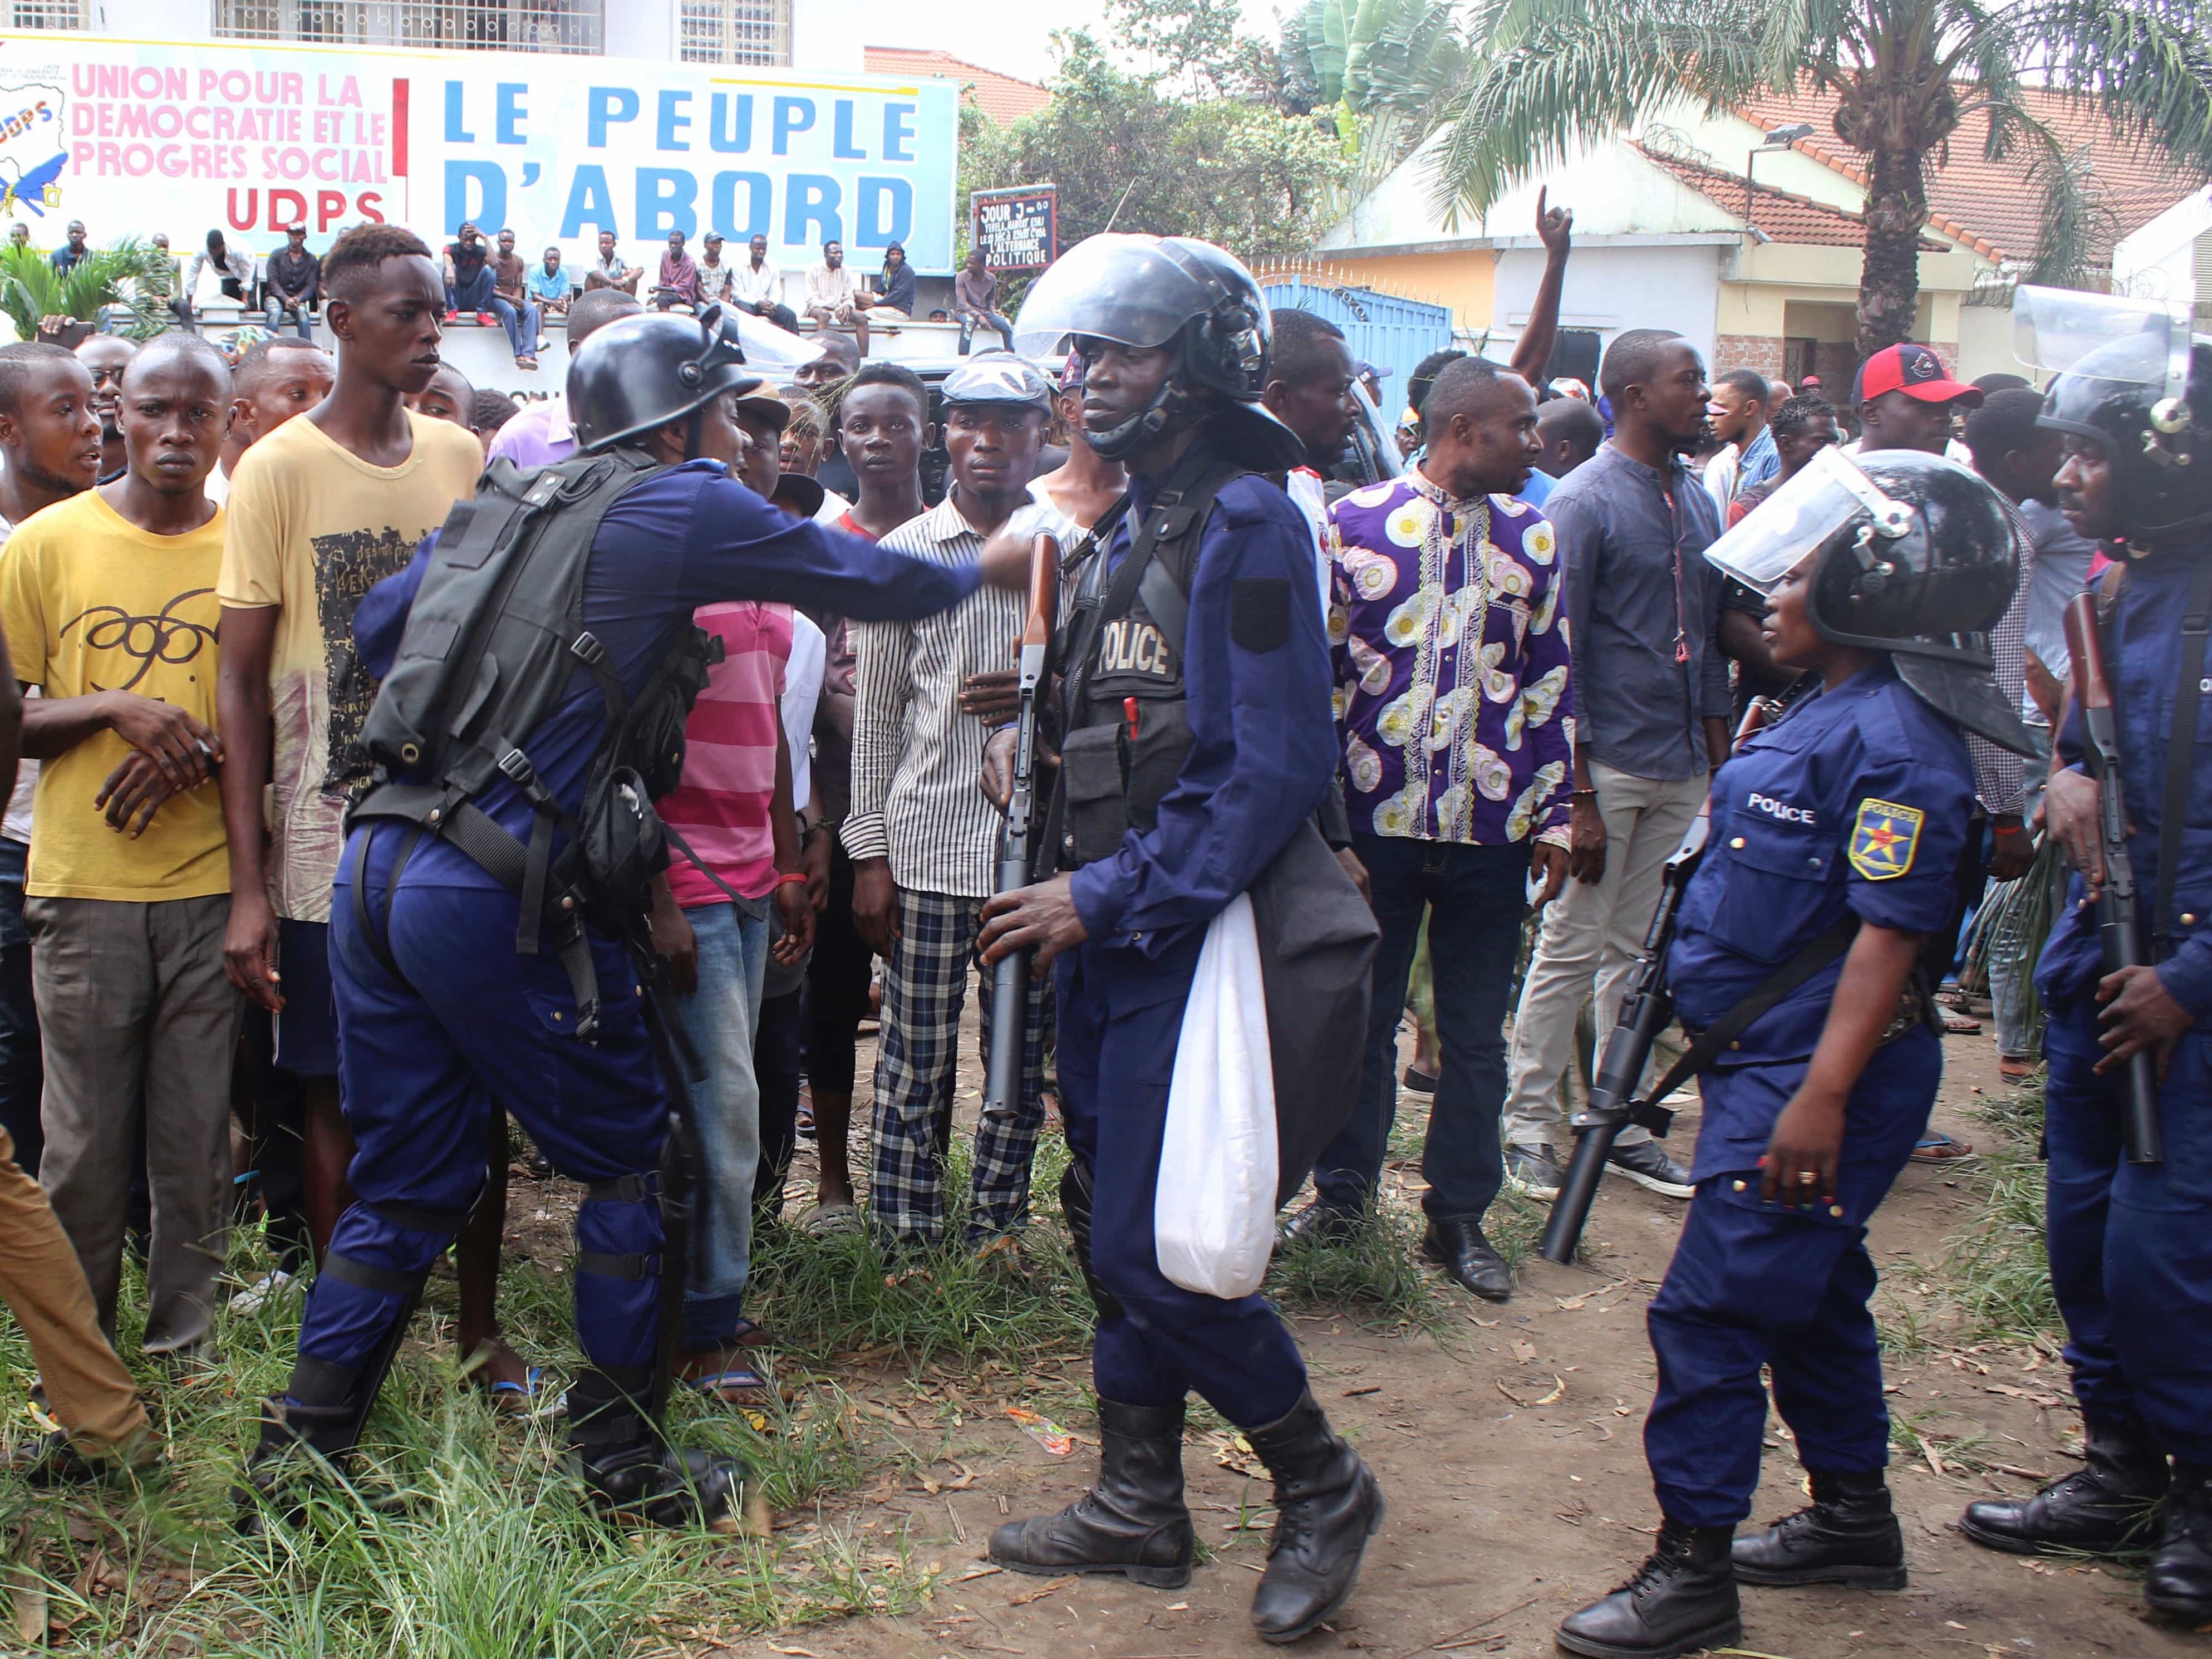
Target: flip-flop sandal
2014,1070
1936,1147
1960,1025
746,1335
831,1221
1420,1082
735,1385
516,1399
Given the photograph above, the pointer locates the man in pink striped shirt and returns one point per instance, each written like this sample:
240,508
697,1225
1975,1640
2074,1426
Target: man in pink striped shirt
734,812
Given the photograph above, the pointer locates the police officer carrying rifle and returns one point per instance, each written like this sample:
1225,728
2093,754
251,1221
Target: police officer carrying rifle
1835,841
1197,743
539,657
2132,1241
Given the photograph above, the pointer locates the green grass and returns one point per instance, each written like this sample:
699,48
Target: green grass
1997,1273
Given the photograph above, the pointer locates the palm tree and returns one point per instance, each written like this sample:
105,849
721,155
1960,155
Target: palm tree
1906,73
138,276
1386,65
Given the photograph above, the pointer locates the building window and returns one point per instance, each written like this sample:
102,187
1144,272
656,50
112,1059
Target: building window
755,32
569,26
50,14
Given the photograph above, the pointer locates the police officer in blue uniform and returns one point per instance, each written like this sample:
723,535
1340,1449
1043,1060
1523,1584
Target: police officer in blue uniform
2131,1243
1835,841
443,1023
1197,739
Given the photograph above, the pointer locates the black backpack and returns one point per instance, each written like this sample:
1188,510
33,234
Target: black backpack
492,646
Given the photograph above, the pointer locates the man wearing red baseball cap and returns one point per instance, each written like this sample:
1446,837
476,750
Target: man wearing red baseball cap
1906,399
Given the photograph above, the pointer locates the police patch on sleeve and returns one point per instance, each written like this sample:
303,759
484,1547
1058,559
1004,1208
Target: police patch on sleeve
1884,838
1260,613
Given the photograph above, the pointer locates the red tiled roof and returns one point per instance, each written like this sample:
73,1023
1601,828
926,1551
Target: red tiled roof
1001,97
1782,215
1990,205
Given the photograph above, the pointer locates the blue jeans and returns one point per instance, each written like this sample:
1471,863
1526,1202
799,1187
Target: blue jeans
278,305
521,321
1479,896
721,1018
475,295
22,1070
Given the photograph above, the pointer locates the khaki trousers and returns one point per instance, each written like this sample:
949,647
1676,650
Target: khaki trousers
86,1388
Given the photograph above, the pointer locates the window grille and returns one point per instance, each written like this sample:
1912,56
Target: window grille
564,26
751,32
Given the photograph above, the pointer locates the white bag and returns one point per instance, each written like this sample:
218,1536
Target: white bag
1214,1211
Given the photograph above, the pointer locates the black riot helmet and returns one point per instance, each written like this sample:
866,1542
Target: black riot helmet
641,372
1172,291
1911,554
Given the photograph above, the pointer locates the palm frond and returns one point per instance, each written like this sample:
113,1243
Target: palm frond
133,275
2079,227
1577,74
2145,65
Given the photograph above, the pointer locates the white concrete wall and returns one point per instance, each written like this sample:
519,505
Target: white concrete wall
2159,262
1613,288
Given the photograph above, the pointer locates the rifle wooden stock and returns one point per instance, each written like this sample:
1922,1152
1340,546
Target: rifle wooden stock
2120,925
1010,979
1645,1011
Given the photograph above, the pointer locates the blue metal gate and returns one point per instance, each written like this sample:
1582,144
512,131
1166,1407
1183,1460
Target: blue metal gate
1392,333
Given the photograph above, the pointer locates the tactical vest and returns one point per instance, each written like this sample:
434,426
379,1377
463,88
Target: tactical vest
492,647
1124,708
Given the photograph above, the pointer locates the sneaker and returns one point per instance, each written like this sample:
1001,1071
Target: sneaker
453,316
1650,1168
485,319
274,1283
1533,1172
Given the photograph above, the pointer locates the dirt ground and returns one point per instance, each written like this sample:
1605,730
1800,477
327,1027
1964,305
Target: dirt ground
1512,1460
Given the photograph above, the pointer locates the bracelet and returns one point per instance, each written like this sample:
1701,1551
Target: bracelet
1582,794
790,876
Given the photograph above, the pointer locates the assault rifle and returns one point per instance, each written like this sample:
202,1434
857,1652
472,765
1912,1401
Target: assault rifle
2119,927
1010,979
1645,1011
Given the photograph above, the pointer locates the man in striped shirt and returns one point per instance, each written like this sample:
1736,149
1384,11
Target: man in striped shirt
922,837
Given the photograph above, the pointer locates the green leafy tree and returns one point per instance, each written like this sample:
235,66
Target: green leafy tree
1905,75
134,275
1128,157
1389,65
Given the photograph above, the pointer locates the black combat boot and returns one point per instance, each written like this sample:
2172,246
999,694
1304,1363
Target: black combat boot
2180,1584
2104,1508
1848,1535
632,1472
1327,1505
1132,1520
1682,1598
298,1440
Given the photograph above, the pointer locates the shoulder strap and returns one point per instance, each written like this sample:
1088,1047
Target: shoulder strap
1164,586
2181,751
1716,1038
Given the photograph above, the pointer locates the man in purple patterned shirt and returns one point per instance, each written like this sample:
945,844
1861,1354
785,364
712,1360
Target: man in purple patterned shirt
1451,666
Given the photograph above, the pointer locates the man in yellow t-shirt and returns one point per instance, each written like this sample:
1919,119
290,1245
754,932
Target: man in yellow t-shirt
109,601
319,511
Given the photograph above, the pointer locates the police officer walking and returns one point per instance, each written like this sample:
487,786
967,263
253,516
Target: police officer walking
1197,672
1835,840
545,634
2131,1243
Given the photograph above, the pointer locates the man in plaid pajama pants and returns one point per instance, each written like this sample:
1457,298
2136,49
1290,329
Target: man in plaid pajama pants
922,837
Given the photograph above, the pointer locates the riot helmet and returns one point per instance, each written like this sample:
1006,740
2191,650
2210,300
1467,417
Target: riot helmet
2133,380
643,371
1167,291
1911,554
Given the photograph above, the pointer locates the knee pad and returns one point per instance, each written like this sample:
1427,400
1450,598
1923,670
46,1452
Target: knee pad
620,1235
1075,1205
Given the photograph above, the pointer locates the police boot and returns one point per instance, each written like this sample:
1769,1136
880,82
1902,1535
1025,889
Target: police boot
1327,1505
1132,1520
2101,1509
632,1473
1682,1599
2180,1584
1848,1535
298,1440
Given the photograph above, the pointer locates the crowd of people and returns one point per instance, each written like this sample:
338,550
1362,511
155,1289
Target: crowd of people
239,884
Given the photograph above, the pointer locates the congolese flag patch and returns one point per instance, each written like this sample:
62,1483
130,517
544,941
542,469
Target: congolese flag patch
1884,838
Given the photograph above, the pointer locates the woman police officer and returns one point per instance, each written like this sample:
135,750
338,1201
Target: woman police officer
1834,845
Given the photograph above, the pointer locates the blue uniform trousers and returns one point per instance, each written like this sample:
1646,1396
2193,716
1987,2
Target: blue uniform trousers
1120,1017
2131,1244
466,1026
1753,1284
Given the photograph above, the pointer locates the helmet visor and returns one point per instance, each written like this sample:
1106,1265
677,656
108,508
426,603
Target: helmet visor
1797,519
2136,341
1113,287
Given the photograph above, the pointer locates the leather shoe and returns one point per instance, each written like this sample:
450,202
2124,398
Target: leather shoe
1323,1223
1455,1243
2106,1508
2178,1585
1683,1598
1647,1165
1327,1505
1848,1535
